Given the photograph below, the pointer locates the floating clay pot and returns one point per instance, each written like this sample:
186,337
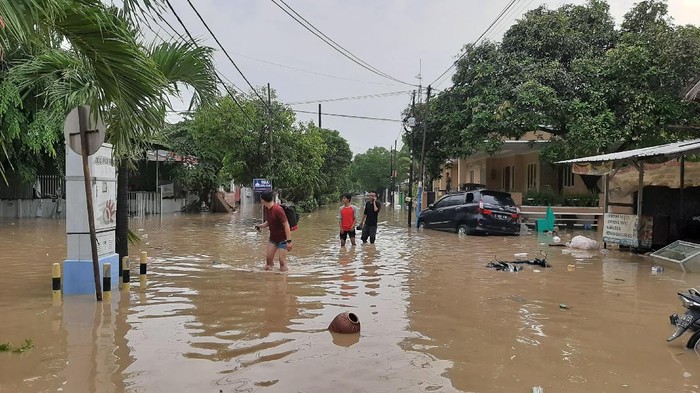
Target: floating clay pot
345,322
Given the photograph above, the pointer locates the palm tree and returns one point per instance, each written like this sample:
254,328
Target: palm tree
65,53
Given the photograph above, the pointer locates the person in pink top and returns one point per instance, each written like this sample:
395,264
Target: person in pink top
347,219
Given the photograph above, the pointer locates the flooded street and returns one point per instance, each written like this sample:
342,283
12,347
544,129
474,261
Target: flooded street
434,319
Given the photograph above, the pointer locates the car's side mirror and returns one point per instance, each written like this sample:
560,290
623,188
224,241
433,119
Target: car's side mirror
431,206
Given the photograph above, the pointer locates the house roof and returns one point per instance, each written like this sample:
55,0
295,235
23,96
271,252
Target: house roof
693,91
668,150
511,148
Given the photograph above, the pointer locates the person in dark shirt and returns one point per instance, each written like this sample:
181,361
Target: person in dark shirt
370,218
448,182
280,233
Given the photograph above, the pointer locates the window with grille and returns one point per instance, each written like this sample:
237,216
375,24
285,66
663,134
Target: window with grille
568,176
508,173
532,176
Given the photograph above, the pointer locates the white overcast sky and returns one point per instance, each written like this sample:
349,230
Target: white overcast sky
399,37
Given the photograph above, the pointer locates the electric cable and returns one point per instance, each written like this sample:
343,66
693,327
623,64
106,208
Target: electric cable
194,42
348,116
337,47
379,95
225,52
454,64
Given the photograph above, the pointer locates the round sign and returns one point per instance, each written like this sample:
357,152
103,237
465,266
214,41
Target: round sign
95,130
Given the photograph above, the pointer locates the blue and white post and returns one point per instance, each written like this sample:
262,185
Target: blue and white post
78,276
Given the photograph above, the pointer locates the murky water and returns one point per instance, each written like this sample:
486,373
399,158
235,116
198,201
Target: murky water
434,319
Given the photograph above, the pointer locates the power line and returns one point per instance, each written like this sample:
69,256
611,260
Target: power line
348,116
194,42
454,64
313,72
394,93
226,53
498,29
339,48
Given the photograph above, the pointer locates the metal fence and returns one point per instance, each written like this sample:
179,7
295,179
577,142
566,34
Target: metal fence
142,203
49,186
52,186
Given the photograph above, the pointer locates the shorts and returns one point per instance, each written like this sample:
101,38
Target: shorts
281,245
344,235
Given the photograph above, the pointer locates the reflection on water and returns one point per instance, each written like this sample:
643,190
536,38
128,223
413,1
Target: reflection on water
434,319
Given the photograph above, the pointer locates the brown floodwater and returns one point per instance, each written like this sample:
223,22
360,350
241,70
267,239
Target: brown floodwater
434,319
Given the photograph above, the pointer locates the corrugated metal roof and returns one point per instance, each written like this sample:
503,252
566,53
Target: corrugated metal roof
693,90
670,149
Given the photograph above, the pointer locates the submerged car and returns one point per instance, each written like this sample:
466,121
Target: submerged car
471,212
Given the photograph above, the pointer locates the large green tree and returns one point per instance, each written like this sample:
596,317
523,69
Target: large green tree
66,53
305,163
372,169
570,72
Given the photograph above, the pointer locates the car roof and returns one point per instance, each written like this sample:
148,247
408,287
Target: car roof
492,192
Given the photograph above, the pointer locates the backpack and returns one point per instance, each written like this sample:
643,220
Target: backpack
292,216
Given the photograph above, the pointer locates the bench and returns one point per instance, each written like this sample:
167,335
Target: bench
569,219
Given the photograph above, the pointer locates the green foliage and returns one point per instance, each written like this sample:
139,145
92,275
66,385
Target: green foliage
307,163
570,72
63,53
371,169
26,345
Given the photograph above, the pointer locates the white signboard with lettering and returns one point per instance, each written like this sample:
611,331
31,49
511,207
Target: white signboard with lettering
103,182
621,229
167,190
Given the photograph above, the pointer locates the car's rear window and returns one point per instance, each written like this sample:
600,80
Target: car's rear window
497,199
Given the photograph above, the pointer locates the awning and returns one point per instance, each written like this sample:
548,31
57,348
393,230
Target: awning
669,150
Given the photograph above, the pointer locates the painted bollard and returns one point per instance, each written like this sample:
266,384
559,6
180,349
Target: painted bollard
56,281
126,274
143,267
346,323
107,280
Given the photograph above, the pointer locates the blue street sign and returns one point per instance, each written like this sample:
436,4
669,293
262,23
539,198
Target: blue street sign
260,185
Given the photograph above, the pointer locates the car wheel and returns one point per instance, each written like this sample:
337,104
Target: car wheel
693,341
463,229
421,225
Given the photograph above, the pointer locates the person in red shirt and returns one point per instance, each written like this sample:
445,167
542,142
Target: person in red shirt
280,233
347,219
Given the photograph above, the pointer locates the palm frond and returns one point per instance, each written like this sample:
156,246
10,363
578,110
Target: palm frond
190,64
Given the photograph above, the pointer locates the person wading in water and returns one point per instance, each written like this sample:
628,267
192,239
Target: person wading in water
280,233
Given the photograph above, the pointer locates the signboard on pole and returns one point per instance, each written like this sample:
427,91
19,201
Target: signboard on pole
261,185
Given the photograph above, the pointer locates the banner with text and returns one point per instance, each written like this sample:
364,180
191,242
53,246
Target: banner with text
621,229
592,168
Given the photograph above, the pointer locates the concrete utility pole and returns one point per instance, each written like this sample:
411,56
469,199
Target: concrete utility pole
394,169
269,114
409,199
422,155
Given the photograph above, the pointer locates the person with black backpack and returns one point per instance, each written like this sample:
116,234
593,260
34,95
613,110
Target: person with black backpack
280,231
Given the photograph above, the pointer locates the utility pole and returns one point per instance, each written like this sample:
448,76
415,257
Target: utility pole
269,114
391,177
422,154
409,199
319,116
394,171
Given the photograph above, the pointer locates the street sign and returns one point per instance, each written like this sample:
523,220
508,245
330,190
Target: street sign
95,130
260,185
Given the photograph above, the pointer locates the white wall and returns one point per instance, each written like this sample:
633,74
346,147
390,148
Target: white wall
25,208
